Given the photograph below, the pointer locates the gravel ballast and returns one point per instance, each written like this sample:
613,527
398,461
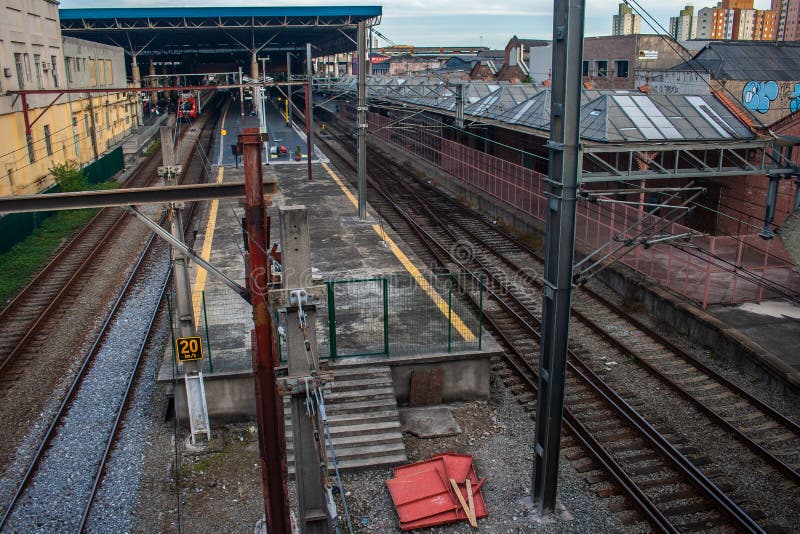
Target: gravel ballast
58,490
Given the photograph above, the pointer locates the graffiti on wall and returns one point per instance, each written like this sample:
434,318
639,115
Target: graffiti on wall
794,98
758,96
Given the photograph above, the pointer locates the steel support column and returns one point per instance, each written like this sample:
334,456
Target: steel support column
135,72
361,126
309,109
565,160
769,210
253,67
288,80
27,120
241,94
303,360
269,408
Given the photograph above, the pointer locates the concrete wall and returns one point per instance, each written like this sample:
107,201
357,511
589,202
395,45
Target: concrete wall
29,28
651,52
667,82
466,376
231,396
76,127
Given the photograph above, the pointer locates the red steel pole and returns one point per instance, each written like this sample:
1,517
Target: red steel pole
308,128
269,408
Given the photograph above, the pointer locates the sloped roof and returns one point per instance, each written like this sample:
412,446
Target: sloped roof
530,43
747,60
606,116
492,54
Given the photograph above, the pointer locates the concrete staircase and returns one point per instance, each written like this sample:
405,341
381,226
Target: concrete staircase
363,417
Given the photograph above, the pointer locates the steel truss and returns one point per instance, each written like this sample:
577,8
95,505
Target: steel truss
603,163
214,23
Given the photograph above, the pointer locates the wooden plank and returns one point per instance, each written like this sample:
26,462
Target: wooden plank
473,523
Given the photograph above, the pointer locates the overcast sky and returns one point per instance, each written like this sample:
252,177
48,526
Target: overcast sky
456,22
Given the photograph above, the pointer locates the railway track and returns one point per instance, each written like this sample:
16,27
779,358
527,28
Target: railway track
87,421
671,492
56,286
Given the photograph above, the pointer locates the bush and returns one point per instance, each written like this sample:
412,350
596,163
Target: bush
69,176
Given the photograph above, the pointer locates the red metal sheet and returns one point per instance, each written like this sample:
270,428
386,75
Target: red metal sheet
419,496
454,515
413,481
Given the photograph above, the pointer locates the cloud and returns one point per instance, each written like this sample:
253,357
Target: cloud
458,22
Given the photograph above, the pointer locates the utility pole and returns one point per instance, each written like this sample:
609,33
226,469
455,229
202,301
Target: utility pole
193,374
303,361
361,126
309,108
564,169
269,407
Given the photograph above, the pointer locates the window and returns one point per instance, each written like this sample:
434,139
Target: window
86,123
37,64
68,67
101,72
31,153
78,64
109,73
585,68
47,144
77,144
621,66
18,64
27,60
92,72
11,179
54,69
601,68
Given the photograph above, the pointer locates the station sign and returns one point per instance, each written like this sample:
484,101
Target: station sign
189,349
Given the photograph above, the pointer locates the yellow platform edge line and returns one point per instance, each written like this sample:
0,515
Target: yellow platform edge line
205,252
441,303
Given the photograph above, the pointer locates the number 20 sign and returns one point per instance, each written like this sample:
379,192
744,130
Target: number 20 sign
189,349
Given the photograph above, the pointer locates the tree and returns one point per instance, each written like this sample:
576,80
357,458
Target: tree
69,176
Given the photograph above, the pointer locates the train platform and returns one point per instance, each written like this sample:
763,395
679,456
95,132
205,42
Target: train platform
285,137
384,309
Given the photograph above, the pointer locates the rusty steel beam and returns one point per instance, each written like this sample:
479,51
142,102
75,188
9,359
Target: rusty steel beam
126,197
269,408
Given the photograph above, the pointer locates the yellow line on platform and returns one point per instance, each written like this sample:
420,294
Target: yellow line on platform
208,237
205,252
441,303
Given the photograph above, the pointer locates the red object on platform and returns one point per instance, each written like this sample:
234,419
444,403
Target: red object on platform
422,494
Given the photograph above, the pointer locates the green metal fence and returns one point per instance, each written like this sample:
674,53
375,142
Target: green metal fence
15,227
105,167
391,315
396,315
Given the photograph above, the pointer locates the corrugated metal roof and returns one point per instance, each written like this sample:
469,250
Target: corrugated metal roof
747,61
606,116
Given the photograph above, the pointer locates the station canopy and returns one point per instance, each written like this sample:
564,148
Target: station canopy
218,33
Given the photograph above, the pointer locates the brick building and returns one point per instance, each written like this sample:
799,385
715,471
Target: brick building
516,59
610,62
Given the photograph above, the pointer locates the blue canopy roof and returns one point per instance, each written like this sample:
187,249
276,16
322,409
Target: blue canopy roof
359,12
220,31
